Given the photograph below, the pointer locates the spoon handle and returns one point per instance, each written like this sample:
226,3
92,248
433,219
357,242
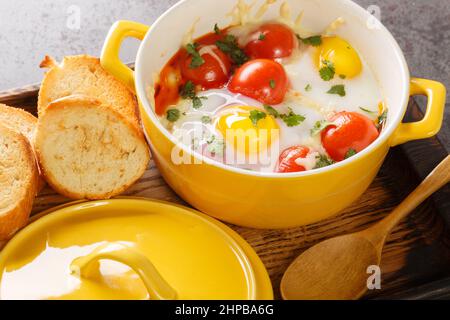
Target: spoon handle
439,177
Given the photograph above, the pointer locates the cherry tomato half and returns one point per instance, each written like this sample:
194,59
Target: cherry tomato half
261,79
213,73
286,162
271,41
350,131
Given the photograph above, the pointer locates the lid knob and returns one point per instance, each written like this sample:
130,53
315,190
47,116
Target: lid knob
88,267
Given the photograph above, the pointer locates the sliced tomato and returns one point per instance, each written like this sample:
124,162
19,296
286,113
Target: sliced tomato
350,132
261,79
213,73
287,161
271,41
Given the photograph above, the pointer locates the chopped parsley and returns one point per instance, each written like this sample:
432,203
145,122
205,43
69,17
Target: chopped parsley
314,41
188,92
292,119
173,115
338,89
323,161
206,119
256,115
272,111
319,126
350,153
342,76
272,84
261,37
366,110
216,29
216,146
197,59
230,46
308,88
327,72
381,120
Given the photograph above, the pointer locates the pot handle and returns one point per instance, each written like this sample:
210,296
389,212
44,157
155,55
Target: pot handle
432,121
109,58
88,267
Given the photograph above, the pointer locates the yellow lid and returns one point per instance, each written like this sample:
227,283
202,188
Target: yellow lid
130,249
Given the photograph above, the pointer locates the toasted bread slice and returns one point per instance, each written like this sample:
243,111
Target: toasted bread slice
85,76
87,150
18,181
23,122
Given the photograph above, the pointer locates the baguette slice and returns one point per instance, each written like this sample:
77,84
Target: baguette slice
23,122
84,75
87,150
18,181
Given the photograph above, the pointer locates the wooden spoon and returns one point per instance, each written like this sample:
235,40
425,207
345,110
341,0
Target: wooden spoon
337,268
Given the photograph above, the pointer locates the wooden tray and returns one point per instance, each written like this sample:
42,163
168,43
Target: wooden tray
416,259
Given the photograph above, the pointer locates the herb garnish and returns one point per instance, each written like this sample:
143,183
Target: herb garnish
197,59
319,126
261,37
308,88
327,72
323,161
256,115
314,41
215,146
291,119
216,29
230,46
206,119
366,110
272,84
188,92
350,153
381,120
272,111
342,76
173,115
337,89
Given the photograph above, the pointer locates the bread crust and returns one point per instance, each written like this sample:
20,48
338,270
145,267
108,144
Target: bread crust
90,103
70,78
17,217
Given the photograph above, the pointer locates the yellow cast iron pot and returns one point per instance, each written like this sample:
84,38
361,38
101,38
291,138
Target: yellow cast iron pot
264,200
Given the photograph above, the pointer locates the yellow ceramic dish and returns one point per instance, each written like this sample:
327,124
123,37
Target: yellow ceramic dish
130,249
265,200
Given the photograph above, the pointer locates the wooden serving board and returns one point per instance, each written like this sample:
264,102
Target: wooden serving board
416,259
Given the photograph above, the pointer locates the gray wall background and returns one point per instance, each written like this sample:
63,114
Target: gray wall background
30,29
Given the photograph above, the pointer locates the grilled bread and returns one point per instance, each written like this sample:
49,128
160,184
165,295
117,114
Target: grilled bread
18,181
89,150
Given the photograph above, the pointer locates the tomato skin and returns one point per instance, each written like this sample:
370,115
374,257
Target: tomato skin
286,162
261,79
279,42
212,73
350,130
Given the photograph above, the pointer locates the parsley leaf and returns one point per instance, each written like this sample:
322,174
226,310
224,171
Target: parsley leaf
188,92
272,111
292,119
314,41
173,115
261,37
350,153
381,120
337,89
216,29
206,119
323,161
366,110
308,88
256,115
319,126
327,71
216,146
197,59
230,46
272,84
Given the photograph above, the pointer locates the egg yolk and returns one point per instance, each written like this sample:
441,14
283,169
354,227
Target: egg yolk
345,59
240,131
